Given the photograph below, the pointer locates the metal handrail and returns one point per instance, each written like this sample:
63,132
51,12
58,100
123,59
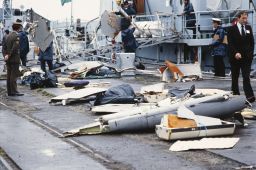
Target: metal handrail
167,27
226,21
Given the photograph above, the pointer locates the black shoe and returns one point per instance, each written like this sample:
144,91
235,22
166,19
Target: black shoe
251,99
18,94
11,95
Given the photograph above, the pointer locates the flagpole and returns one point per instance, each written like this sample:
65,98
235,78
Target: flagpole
71,13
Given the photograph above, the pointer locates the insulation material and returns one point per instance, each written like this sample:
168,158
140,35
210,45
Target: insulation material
175,122
210,91
249,113
110,24
184,72
177,74
205,143
77,95
40,34
84,64
158,88
82,68
154,93
155,97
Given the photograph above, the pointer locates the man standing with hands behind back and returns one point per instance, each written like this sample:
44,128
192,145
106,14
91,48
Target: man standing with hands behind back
12,59
241,48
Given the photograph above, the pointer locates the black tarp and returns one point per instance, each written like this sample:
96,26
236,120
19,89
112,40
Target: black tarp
119,94
36,80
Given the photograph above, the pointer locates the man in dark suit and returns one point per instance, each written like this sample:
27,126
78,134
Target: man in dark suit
12,58
241,47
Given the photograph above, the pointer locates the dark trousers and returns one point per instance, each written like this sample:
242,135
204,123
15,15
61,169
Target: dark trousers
23,59
12,76
194,31
192,54
219,65
245,67
43,66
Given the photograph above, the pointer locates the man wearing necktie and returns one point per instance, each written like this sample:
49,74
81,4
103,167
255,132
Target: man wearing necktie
241,48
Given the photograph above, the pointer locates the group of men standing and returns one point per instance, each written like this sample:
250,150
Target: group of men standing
240,45
240,48
237,42
15,47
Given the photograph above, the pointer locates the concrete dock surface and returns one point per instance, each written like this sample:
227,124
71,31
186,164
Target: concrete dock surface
31,131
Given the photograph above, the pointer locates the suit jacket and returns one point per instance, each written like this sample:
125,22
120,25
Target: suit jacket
239,44
13,48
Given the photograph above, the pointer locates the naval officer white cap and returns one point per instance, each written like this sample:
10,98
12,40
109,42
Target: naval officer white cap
216,19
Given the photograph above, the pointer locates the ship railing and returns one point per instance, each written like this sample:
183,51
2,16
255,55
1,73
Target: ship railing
158,25
203,22
167,24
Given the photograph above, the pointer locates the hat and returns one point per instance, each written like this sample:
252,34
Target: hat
17,22
126,3
216,19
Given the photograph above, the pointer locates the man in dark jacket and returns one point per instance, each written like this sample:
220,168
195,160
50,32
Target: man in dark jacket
128,8
6,33
190,16
129,42
12,58
241,48
46,57
129,11
219,48
24,46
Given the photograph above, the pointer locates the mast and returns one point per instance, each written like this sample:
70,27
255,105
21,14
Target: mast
7,13
71,24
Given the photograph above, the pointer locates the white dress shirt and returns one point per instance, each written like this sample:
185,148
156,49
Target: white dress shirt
240,28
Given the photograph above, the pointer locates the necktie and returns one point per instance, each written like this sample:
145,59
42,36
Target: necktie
242,31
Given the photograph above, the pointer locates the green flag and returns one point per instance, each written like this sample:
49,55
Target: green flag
65,1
